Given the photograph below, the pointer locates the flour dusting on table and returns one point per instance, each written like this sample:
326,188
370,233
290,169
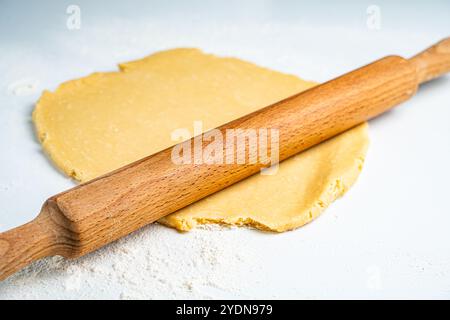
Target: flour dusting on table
153,263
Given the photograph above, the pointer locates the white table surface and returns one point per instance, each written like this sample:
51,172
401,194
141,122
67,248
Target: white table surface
393,226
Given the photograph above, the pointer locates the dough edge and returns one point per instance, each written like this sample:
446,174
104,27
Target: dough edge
338,184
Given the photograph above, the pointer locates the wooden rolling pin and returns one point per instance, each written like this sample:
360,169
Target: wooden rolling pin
87,217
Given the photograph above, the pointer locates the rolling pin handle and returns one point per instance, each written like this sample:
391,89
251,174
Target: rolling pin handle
432,62
30,242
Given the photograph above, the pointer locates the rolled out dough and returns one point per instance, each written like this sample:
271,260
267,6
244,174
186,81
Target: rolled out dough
98,123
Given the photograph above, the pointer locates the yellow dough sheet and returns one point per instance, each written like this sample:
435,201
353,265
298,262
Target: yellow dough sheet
98,123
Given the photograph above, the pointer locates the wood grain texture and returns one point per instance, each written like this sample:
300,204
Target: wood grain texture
47,235
433,62
93,214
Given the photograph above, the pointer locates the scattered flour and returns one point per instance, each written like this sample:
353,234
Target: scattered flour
153,263
23,87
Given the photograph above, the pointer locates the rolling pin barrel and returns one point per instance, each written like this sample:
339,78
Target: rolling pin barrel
114,205
93,214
